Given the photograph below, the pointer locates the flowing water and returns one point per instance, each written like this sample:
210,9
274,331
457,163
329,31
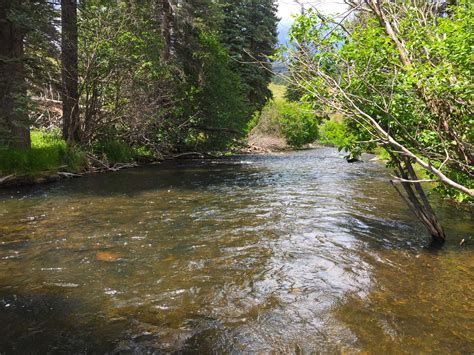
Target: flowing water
290,253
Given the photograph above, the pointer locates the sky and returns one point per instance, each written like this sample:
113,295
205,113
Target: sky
286,8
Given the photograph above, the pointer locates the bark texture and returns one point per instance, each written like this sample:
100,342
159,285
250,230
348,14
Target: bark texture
14,123
69,69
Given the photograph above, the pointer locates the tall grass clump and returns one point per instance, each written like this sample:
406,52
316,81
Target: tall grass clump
114,151
48,153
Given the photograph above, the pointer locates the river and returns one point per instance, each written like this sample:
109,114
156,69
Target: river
293,253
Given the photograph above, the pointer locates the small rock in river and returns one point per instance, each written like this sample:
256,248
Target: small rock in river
107,256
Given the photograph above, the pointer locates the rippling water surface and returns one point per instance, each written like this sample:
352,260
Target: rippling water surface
292,253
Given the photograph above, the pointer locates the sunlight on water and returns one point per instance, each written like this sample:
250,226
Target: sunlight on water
295,252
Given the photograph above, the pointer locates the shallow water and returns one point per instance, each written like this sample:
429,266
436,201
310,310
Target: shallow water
293,253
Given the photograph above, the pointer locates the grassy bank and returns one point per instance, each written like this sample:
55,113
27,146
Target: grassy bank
49,154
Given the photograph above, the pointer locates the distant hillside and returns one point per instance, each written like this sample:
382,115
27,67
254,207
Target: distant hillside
283,28
279,68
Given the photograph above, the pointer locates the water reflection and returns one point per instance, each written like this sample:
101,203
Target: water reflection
297,252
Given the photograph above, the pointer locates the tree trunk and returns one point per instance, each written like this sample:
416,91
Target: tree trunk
416,199
164,15
69,69
14,125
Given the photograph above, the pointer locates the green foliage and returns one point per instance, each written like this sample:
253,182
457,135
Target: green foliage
195,100
218,100
200,95
249,33
335,134
254,121
298,123
383,154
454,194
114,151
411,102
49,153
294,93
267,122
122,75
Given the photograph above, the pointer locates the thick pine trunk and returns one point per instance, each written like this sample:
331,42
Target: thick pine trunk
70,95
14,125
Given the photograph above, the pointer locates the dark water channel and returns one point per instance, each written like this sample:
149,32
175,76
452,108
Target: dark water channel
292,253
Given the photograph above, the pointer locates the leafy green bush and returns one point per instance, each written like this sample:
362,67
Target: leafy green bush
266,122
298,123
333,133
337,134
216,99
294,122
294,93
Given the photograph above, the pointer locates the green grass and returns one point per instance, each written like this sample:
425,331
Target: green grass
48,153
115,151
278,92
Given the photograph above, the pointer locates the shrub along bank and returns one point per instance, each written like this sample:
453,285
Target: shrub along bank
294,122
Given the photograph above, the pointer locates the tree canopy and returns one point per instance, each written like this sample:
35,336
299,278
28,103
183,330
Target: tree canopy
164,74
401,74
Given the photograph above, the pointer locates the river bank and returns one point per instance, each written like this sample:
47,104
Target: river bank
50,159
267,145
93,167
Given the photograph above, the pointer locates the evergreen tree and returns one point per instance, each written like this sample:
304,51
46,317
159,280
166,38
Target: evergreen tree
14,126
27,35
249,33
215,104
69,66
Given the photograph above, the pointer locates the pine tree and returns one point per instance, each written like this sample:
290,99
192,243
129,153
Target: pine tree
249,33
70,94
28,50
14,125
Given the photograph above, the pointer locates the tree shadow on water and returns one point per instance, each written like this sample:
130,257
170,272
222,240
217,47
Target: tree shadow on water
38,323
44,323
131,182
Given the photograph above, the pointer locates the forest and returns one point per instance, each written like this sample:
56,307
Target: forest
236,176
122,77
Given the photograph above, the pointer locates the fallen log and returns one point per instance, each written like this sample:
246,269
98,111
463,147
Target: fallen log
69,175
7,178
